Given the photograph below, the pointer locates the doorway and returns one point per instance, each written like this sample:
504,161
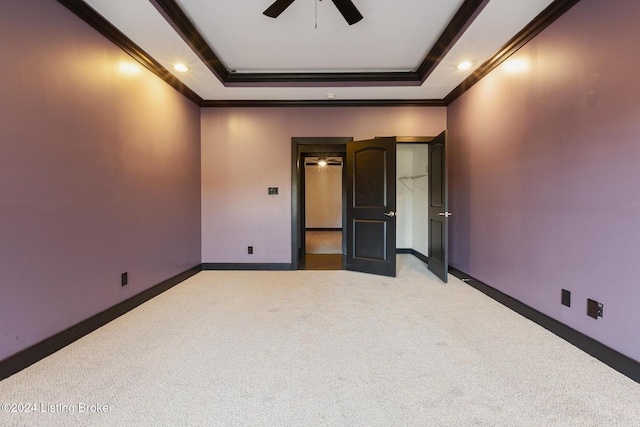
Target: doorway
323,207
368,201
310,151
412,199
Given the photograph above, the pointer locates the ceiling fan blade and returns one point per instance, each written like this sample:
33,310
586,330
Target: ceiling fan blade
277,8
348,10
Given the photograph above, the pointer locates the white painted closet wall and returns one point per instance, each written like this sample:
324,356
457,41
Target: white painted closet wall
412,197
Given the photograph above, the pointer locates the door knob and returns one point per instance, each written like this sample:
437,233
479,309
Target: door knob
390,214
445,214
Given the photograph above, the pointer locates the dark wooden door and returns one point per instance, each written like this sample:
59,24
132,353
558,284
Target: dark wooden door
438,205
371,205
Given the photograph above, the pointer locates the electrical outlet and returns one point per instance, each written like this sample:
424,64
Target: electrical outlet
250,250
566,298
594,309
124,279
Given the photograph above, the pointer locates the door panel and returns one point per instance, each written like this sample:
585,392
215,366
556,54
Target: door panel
369,173
438,204
437,178
372,247
436,233
371,204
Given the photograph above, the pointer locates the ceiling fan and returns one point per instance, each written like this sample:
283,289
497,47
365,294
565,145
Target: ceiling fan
346,8
323,161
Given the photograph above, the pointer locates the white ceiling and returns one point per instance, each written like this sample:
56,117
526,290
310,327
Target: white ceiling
393,36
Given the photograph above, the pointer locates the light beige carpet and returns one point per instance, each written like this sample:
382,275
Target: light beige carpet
323,242
322,348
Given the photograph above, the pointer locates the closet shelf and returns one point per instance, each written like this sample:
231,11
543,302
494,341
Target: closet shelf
411,178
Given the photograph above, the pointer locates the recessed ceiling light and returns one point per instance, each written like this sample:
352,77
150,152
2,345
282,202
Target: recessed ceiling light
331,95
180,67
464,65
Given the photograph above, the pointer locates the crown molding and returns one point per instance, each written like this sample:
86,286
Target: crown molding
104,27
325,103
554,11
467,13
181,23
463,18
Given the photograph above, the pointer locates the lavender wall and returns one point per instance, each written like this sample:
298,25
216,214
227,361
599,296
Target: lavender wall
99,174
544,166
246,150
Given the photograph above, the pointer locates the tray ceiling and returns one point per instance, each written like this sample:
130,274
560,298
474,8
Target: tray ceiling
400,50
